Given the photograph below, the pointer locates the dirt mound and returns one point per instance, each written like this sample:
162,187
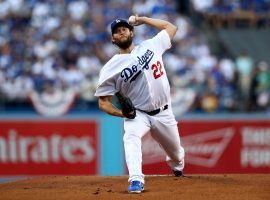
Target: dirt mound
191,187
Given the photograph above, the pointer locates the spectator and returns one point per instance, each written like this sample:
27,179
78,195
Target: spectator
263,86
244,65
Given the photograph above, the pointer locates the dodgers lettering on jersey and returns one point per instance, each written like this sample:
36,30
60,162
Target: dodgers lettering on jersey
133,72
140,75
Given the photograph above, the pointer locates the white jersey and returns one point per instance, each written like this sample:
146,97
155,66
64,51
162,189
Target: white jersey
140,75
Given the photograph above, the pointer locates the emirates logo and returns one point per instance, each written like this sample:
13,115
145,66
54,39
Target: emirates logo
17,148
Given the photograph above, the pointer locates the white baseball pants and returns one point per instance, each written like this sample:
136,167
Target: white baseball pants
164,130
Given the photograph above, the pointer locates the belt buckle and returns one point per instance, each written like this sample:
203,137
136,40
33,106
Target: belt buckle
164,107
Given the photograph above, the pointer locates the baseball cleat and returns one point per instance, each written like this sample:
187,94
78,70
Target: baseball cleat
178,173
136,187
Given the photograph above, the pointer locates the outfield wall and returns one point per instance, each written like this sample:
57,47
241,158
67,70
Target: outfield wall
92,144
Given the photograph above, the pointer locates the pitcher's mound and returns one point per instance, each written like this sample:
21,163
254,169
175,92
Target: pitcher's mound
191,187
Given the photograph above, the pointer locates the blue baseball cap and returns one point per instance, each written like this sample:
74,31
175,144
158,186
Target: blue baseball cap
120,22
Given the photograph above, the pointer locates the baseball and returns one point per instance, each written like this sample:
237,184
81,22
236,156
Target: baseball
132,19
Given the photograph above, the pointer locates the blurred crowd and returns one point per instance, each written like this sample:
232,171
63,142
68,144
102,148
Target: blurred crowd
234,12
55,45
230,6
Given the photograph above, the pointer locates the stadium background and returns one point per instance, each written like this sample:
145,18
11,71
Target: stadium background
51,53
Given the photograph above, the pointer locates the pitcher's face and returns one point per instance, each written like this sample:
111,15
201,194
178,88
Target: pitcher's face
122,37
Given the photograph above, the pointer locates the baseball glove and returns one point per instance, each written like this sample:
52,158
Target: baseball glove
127,106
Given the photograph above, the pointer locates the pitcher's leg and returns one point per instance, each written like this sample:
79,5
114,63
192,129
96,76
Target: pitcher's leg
134,131
168,137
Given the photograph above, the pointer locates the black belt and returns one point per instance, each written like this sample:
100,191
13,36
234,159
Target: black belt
154,112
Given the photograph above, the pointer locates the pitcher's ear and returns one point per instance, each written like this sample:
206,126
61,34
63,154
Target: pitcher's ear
112,40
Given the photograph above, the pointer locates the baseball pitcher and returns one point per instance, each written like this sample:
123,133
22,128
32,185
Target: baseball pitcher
137,76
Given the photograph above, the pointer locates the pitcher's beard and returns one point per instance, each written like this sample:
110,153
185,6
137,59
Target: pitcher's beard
125,44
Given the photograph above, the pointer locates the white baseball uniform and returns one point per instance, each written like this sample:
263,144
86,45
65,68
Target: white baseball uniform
141,76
